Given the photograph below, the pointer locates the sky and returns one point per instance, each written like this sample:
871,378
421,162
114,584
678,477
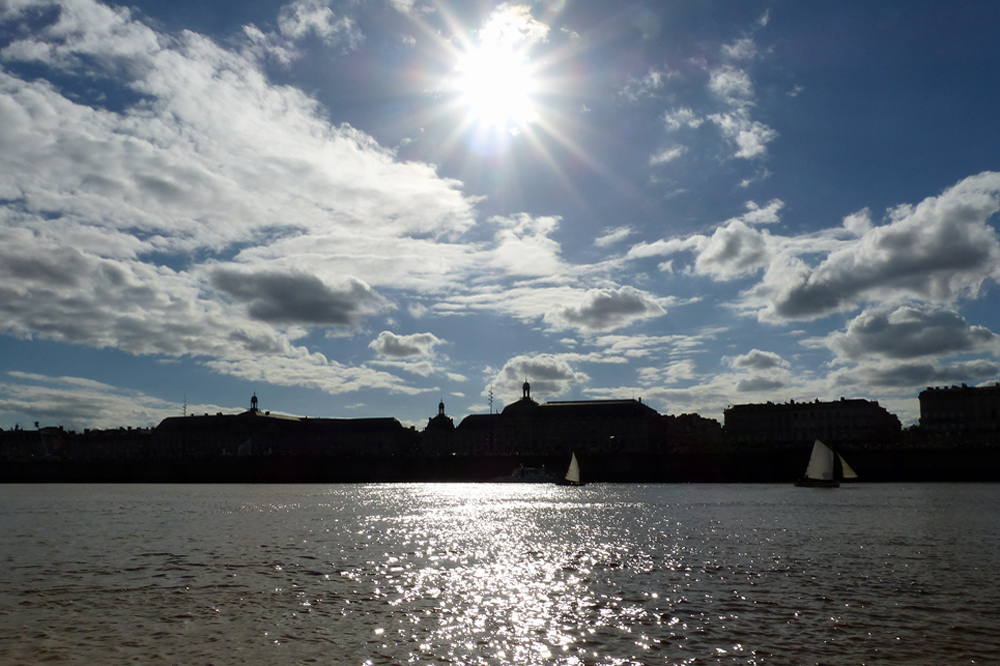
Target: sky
361,208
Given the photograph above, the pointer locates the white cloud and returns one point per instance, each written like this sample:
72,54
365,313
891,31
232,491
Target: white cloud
550,376
513,26
681,118
666,155
392,345
939,251
750,136
523,246
636,89
613,236
302,17
743,48
732,85
756,359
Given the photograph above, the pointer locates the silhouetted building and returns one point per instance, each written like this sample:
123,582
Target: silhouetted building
691,432
860,422
255,433
527,428
970,412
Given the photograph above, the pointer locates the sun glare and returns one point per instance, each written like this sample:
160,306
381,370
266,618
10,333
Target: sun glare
495,85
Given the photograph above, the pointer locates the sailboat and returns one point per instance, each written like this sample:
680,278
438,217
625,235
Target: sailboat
572,477
822,472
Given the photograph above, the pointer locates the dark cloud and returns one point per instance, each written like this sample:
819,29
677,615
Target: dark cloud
937,251
908,332
758,360
548,374
918,375
297,298
606,309
756,384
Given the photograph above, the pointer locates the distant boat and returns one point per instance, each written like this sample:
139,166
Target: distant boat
572,477
822,470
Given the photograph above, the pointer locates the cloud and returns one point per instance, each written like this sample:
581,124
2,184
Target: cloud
913,376
607,309
756,359
938,251
743,48
78,403
910,332
303,17
682,117
119,208
732,85
513,26
750,136
405,346
298,298
549,375
613,236
666,155
523,246
733,250
758,384
636,89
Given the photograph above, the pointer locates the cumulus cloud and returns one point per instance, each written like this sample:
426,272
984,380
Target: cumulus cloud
114,209
910,332
938,251
524,248
607,309
756,359
392,345
298,298
749,136
734,249
550,376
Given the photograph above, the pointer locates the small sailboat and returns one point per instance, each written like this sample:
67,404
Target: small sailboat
822,470
572,477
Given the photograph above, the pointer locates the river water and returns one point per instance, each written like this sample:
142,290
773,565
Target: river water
499,574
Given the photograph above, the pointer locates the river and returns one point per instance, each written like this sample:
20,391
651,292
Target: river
499,574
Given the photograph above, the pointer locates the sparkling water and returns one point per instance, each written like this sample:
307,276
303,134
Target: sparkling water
499,574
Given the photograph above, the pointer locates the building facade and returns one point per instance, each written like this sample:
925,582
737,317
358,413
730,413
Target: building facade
857,422
971,412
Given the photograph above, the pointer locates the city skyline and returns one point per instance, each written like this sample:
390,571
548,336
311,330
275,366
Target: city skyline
358,209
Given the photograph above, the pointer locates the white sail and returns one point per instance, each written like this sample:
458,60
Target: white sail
848,472
573,473
820,462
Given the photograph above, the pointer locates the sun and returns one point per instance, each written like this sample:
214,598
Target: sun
496,86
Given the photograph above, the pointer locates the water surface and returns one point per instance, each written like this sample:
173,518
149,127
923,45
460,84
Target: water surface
499,574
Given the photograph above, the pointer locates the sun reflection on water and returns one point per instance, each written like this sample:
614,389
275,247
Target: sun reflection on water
516,573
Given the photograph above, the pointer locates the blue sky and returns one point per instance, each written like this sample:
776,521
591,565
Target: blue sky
361,208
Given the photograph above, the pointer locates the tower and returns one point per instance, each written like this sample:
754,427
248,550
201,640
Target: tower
253,403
